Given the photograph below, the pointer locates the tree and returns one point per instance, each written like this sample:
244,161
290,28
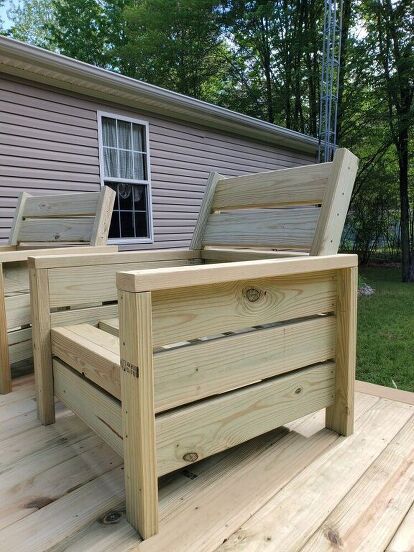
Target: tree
391,25
174,43
88,30
31,20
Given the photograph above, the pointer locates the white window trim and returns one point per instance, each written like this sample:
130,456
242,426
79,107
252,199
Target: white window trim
128,241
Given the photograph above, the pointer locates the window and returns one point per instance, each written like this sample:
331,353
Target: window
124,159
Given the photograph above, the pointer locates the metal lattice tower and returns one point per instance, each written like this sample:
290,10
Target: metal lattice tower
328,105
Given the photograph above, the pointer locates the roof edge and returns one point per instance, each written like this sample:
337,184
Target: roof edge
31,62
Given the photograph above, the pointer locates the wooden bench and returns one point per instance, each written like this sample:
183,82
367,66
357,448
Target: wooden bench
48,224
210,346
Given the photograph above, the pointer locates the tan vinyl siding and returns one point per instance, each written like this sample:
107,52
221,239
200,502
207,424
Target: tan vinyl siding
49,143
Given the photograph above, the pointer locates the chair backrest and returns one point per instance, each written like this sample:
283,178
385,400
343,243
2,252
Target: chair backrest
65,219
300,208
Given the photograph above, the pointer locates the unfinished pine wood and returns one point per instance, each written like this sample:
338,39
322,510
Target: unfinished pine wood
18,310
398,395
56,230
189,313
197,431
292,516
335,203
403,539
369,515
191,373
278,228
111,326
292,186
232,255
138,416
205,209
42,353
167,278
27,253
18,219
16,278
62,205
5,375
86,284
102,222
90,315
20,345
340,416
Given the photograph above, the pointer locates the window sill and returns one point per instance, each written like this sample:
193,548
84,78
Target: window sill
129,241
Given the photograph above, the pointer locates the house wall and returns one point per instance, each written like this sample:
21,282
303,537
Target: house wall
49,143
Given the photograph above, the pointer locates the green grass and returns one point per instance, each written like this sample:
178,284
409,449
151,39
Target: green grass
386,330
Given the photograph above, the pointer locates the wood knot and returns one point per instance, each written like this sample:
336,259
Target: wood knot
111,518
253,294
57,236
298,390
190,457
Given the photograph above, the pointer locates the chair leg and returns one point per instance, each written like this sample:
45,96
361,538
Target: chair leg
340,416
5,374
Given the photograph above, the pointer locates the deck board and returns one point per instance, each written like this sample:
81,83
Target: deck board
297,488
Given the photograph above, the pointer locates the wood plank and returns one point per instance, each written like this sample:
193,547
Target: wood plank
340,416
167,278
5,374
62,205
218,421
232,255
368,516
205,210
138,414
86,350
90,315
111,326
85,284
386,392
100,230
21,351
18,310
335,203
403,540
190,313
108,255
52,524
56,230
16,278
292,186
197,431
18,219
42,352
191,373
276,228
24,255
309,498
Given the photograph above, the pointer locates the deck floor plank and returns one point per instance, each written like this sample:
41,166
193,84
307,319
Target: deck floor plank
288,520
280,491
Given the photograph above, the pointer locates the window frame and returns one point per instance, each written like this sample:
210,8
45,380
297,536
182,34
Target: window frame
147,183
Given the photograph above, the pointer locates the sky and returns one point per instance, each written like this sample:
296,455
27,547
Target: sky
3,14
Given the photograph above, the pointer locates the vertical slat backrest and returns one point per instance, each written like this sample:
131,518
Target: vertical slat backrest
300,208
73,219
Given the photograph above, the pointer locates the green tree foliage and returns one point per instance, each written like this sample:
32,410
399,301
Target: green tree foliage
89,30
174,44
31,20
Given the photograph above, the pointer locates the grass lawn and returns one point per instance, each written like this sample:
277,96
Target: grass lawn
386,330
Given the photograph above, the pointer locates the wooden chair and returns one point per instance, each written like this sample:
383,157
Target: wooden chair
213,345
43,223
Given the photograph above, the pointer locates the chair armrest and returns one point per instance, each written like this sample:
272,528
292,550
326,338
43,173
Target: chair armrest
178,277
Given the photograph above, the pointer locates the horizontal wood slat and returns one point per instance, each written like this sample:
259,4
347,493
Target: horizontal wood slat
292,186
64,205
56,230
16,278
90,315
209,426
18,310
197,371
20,345
189,313
289,227
77,284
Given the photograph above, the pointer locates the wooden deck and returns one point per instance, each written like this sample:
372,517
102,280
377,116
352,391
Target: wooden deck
297,488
